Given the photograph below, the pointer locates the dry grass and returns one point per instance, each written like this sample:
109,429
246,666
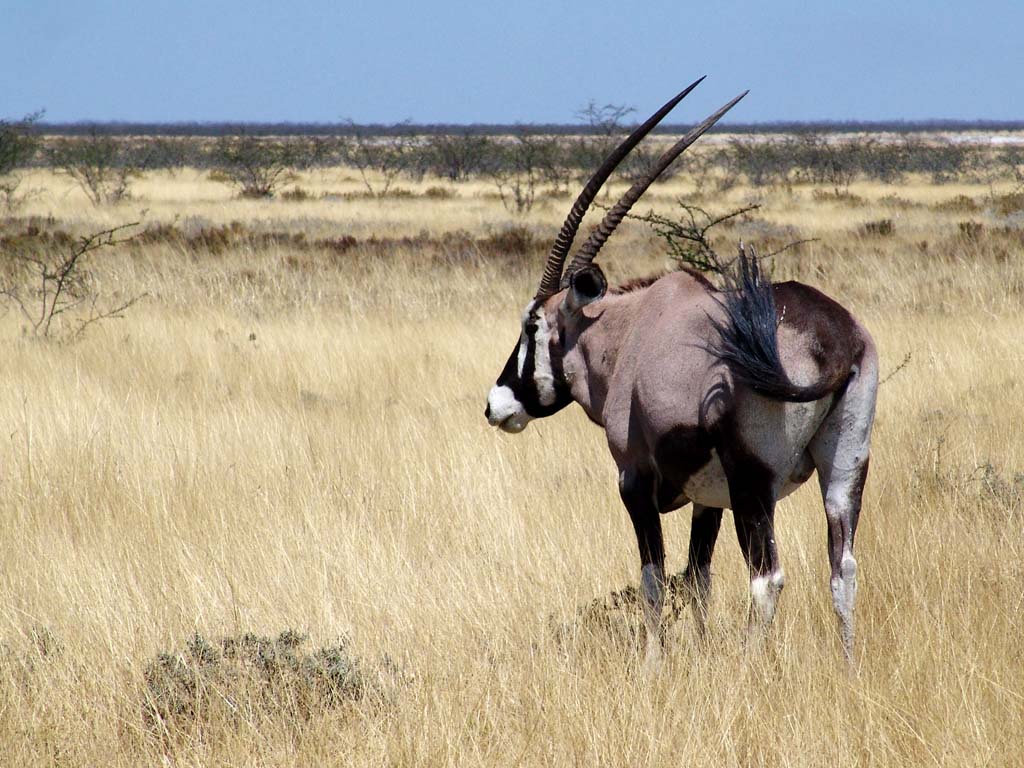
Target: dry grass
286,437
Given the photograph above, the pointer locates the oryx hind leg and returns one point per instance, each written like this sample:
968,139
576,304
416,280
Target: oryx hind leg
753,506
840,452
841,489
755,530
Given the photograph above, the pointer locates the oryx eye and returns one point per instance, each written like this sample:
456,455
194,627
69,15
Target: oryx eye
530,328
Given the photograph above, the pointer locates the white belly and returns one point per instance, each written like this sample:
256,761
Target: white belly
708,485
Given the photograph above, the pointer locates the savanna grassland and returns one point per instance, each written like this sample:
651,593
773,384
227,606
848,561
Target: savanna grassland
261,520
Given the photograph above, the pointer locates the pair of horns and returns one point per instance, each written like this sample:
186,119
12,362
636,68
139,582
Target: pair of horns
553,279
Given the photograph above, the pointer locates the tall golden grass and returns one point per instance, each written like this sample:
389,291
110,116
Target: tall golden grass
287,438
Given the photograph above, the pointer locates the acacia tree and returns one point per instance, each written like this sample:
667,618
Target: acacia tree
382,157
764,162
255,166
456,157
521,166
824,160
687,238
18,144
605,128
167,153
319,152
102,166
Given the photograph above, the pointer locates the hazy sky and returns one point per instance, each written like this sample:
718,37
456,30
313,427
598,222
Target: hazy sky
511,61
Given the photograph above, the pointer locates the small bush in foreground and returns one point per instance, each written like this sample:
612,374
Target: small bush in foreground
249,678
880,228
1008,205
958,204
513,240
971,230
440,193
614,623
296,195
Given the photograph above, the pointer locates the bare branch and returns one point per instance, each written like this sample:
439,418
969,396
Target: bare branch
687,238
113,313
57,284
905,362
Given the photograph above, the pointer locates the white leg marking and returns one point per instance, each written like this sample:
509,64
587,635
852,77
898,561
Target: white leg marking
844,594
764,591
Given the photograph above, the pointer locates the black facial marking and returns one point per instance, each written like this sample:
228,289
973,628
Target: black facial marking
524,387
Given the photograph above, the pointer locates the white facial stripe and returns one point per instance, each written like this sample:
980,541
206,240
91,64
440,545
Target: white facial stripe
523,341
542,372
543,375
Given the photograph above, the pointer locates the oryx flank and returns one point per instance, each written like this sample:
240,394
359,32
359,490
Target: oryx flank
727,397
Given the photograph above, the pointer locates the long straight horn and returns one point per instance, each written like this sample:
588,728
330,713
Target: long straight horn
615,215
549,282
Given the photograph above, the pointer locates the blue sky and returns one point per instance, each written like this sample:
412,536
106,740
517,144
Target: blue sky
526,61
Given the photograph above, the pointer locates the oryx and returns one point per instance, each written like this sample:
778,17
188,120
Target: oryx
726,398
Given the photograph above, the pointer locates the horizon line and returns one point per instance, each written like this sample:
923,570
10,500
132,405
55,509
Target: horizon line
341,127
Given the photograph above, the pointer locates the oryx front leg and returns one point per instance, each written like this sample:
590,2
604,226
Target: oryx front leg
638,494
703,535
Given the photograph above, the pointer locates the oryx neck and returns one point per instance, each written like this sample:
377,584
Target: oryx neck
593,349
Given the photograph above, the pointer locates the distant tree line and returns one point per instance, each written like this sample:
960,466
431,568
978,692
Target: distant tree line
519,163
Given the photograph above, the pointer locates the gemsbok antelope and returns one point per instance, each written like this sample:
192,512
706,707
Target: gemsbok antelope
726,398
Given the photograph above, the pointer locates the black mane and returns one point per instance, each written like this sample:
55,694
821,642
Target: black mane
639,283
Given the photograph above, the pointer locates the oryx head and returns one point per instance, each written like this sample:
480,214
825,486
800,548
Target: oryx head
532,383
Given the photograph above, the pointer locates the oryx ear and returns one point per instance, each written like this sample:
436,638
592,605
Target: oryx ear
586,286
